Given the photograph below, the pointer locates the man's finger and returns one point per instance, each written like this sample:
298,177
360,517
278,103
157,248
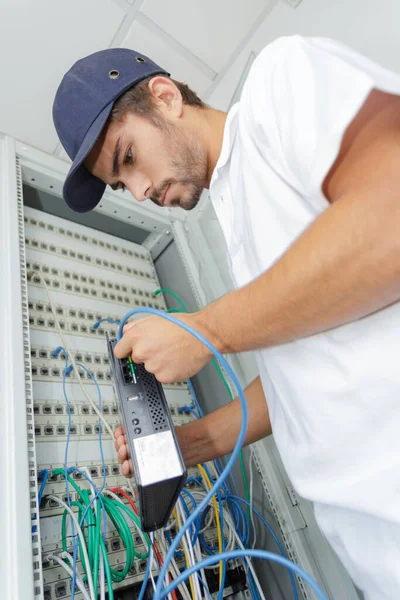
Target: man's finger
123,348
127,468
119,442
123,453
118,432
129,326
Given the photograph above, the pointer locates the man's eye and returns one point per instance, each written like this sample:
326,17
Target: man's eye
128,157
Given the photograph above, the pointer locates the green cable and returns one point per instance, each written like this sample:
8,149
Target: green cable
125,534
221,375
107,570
134,518
224,381
165,291
93,539
174,310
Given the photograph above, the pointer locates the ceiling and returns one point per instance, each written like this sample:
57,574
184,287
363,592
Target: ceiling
195,40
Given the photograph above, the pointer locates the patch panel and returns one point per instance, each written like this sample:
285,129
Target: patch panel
68,315
54,576
51,420
56,484
87,239
44,367
81,257
81,286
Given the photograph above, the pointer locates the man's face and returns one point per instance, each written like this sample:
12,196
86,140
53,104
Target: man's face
164,163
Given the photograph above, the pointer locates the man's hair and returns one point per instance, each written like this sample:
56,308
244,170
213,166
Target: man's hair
138,99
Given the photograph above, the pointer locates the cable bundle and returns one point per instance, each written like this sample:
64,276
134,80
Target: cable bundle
194,512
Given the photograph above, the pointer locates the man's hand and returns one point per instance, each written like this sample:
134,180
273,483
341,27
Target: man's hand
167,350
215,434
122,449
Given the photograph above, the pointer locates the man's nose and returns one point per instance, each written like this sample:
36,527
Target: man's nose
139,186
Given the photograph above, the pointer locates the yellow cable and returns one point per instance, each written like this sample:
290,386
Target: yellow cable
178,524
217,518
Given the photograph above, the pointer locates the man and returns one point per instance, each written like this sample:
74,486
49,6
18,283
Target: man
304,177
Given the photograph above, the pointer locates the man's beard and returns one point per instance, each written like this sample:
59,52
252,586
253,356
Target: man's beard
189,166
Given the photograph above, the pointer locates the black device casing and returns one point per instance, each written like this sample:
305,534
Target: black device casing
159,468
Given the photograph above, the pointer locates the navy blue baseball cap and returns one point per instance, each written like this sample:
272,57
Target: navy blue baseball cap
82,105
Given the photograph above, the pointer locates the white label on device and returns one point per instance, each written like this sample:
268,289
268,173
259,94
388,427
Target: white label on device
157,457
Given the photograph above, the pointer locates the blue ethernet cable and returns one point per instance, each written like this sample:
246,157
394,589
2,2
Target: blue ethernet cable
205,588
98,494
67,370
190,409
45,474
201,413
105,320
196,529
147,572
160,591
263,554
221,516
238,445
271,531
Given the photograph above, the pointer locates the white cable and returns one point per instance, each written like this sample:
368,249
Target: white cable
173,567
150,559
70,354
102,578
170,525
251,469
68,570
210,515
83,543
198,558
187,542
248,560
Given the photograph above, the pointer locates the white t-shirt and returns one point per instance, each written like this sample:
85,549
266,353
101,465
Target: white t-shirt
334,398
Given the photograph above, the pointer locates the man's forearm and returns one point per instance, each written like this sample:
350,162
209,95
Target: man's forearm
215,435
344,266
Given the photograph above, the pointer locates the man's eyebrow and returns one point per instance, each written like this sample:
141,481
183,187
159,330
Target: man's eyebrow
115,166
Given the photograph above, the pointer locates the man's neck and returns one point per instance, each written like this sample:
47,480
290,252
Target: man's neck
210,127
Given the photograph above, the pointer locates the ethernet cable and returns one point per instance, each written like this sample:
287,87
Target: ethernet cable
98,494
236,539
170,310
82,539
105,320
173,567
188,546
232,554
221,375
222,566
70,354
251,499
113,510
110,492
166,291
68,570
160,591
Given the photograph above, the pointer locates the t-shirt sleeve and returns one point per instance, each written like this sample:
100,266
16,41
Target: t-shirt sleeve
300,96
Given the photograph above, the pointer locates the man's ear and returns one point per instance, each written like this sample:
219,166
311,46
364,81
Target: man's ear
166,96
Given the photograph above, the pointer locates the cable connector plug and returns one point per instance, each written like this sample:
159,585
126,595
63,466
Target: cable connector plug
68,370
57,351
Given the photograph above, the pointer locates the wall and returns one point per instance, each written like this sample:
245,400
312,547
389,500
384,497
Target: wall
369,26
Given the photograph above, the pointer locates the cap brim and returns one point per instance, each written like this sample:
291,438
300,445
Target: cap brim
83,191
